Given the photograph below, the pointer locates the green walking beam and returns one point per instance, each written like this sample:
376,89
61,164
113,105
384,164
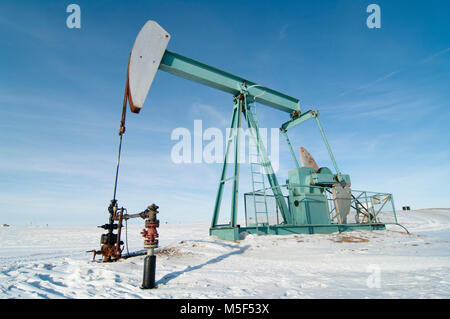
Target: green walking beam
199,72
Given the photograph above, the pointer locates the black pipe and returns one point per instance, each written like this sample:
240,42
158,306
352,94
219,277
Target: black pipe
149,272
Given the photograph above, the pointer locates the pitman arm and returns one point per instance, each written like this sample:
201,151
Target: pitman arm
304,117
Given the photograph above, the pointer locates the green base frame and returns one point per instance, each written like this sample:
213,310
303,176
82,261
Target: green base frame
233,233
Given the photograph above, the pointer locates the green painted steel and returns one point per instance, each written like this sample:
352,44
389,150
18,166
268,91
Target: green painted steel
196,71
235,194
237,233
226,233
254,160
267,166
393,207
325,140
302,118
306,210
224,167
308,204
240,106
291,149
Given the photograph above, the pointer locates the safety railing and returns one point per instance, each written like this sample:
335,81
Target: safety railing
365,207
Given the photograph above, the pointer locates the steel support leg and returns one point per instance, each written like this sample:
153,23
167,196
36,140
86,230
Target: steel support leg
224,168
235,194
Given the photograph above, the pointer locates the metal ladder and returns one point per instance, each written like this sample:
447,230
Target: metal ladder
258,183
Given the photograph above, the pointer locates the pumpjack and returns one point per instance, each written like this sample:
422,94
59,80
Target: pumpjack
313,200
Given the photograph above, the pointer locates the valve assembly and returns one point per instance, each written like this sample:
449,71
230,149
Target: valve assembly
112,245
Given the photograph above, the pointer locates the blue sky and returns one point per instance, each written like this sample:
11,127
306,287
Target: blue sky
383,95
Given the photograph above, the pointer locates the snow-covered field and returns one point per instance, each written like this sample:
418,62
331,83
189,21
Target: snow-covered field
46,262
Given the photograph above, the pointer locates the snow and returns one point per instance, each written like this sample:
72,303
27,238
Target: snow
50,262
